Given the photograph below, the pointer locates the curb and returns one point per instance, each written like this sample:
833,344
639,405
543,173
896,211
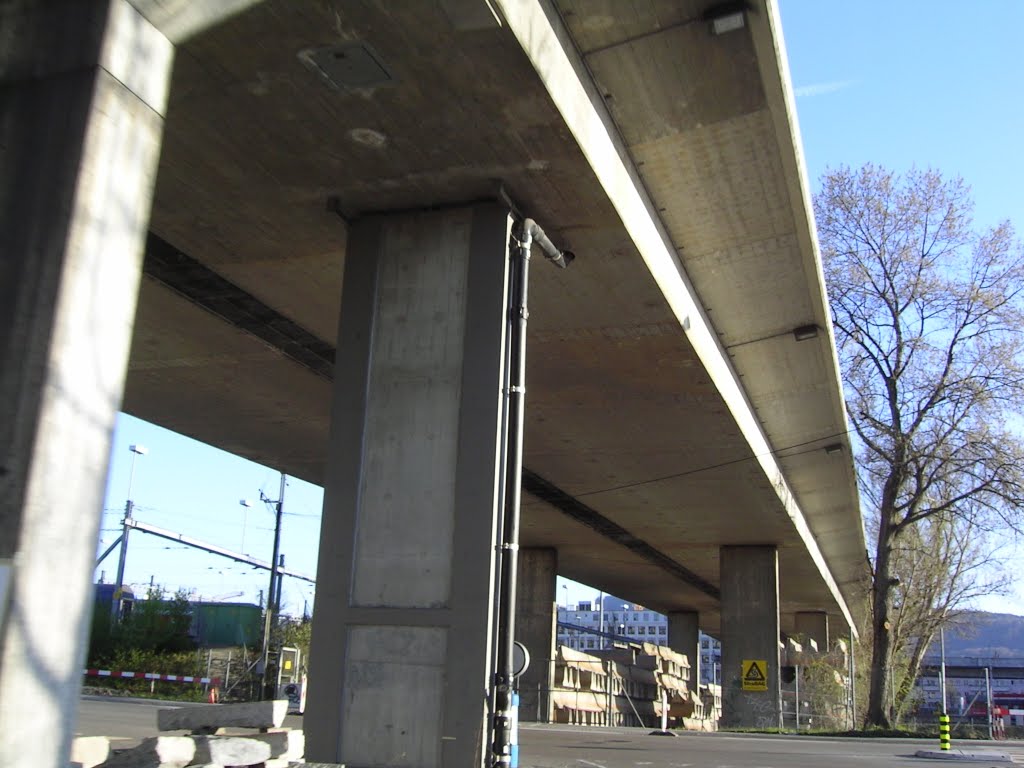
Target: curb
959,754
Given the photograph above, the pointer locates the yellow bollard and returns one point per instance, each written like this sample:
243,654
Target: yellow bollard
944,733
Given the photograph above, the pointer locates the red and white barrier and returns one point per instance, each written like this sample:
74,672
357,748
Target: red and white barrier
152,676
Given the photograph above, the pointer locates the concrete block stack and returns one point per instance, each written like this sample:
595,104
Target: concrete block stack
802,651
220,736
593,690
671,670
627,686
665,661
711,699
581,685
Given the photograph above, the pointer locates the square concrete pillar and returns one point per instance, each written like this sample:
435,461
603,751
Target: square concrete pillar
684,637
750,636
536,628
83,88
813,625
402,655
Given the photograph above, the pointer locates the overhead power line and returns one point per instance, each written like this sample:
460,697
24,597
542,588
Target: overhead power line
214,549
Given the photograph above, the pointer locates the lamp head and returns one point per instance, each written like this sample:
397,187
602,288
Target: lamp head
726,16
805,332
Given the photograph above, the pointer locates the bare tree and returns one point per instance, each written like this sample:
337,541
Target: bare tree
939,567
928,319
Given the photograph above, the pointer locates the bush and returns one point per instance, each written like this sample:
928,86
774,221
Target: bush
154,624
154,637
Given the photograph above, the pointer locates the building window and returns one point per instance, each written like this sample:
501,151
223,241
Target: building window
643,630
661,630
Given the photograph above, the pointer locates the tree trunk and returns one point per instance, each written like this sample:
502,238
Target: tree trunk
877,713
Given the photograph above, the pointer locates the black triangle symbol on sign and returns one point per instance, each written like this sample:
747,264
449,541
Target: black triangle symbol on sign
754,673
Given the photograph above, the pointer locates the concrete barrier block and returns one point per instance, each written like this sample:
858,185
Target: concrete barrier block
284,745
89,751
258,714
156,752
230,750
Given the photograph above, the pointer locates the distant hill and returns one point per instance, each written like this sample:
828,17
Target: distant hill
985,634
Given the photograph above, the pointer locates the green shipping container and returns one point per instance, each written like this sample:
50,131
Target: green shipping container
221,625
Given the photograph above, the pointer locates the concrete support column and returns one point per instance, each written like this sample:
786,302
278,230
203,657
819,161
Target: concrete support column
83,88
750,633
402,654
684,637
813,625
536,619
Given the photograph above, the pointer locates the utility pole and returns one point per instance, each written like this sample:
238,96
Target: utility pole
280,581
129,505
272,608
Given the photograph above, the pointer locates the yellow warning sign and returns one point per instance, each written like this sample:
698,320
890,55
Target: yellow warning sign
755,675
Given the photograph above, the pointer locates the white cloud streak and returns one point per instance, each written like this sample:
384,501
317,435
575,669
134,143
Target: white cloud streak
822,89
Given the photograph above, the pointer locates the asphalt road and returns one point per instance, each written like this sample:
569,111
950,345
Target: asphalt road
127,721
567,747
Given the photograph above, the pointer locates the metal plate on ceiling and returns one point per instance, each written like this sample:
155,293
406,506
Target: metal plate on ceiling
348,66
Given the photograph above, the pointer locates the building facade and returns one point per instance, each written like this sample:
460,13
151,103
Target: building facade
585,627
966,685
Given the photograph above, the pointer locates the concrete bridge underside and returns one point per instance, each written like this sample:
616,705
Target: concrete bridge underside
263,165
672,408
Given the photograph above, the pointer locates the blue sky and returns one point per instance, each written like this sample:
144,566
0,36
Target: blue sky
194,489
901,83
910,83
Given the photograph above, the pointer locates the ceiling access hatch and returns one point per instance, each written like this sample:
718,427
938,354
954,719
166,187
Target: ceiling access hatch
348,66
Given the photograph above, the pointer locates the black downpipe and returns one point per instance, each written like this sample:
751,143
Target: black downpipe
498,620
503,683
515,396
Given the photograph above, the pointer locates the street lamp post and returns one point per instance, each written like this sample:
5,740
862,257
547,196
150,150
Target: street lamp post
942,667
245,504
129,505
